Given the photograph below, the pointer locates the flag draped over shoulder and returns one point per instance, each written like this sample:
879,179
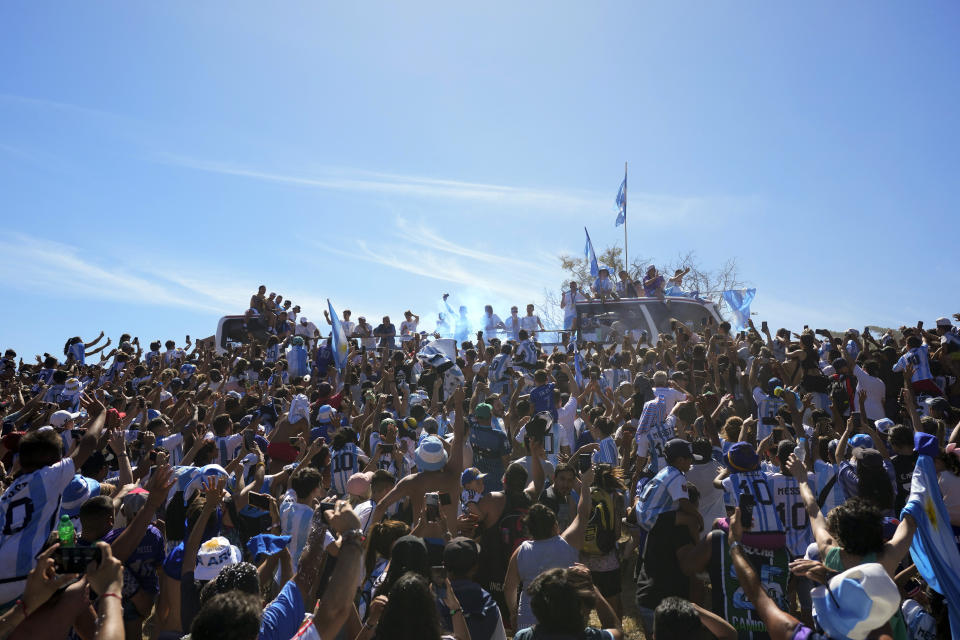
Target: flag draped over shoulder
622,202
590,256
739,302
934,549
339,339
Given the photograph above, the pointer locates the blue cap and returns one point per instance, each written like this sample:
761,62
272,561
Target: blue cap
861,440
470,474
742,457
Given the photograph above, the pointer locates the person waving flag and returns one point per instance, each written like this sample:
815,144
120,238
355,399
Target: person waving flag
339,339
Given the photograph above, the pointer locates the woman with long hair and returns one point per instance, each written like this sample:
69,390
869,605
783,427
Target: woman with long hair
382,536
599,552
409,612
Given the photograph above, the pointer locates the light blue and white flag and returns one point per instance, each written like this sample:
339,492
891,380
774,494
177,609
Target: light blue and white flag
622,202
739,302
590,256
934,549
339,339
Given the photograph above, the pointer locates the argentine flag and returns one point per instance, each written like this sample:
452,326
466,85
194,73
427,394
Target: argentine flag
339,339
933,549
590,256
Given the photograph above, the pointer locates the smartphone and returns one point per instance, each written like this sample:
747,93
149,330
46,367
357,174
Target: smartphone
74,559
805,327
747,503
855,416
438,575
327,505
293,440
259,501
248,440
743,335
763,326
584,461
388,447
444,498
432,501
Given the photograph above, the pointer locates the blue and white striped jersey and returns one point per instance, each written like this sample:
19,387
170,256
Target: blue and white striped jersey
498,369
615,377
272,353
765,517
919,357
767,407
78,351
793,514
853,348
653,415
343,463
228,447
295,522
607,453
661,494
28,513
651,444
823,473
526,352
174,444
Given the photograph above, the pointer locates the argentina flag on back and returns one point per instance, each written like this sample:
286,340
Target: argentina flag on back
590,256
622,202
339,339
934,549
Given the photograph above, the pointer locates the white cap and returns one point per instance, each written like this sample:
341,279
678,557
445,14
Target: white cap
60,418
944,322
214,555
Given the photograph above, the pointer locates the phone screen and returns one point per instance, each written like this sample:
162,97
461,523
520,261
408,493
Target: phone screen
584,460
444,498
74,559
259,501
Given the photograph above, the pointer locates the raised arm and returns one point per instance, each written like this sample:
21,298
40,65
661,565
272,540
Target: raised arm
159,487
573,534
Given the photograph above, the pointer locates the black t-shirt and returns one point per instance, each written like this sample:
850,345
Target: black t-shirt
903,465
660,577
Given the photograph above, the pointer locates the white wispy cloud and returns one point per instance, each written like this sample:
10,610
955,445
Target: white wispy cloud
57,268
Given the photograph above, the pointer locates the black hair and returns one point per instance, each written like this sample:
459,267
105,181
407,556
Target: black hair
71,341
382,536
784,450
233,615
241,577
557,604
541,522
344,437
874,484
676,619
901,435
39,449
857,526
411,611
305,481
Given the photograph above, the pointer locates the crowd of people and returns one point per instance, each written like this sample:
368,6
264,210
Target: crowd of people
477,488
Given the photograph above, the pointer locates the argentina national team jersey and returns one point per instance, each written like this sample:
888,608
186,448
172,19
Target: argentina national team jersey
343,464
765,517
767,407
607,453
295,522
526,352
228,447
174,444
28,513
661,494
824,473
792,512
919,357
78,351
651,444
653,414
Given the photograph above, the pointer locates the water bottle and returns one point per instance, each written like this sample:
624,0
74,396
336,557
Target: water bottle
66,532
801,449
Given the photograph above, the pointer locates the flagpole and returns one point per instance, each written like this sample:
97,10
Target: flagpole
626,260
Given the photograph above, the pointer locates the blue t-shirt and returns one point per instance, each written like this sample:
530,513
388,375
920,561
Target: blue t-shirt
140,569
542,399
283,616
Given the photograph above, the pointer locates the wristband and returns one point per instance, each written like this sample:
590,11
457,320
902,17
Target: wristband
23,607
734,544
111,595
367,625
454,612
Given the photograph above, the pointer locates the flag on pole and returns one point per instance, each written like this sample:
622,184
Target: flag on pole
622,201
339,339
934,549
590,256
739,302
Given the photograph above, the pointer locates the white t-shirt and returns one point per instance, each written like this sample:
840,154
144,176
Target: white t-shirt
530,323
567,419
570,302
408,327
876,392
307,330
490,323
711,504
670,397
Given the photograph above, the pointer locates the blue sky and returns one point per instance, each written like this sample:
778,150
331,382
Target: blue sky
158,161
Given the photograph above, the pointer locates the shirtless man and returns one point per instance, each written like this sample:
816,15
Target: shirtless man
445,478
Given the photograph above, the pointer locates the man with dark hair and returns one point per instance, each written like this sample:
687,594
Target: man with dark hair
460,558
558,497
679,619
229,616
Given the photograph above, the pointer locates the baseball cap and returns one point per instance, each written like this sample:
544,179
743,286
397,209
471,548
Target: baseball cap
679,448
856,602
214,555
944,322
71,386
483,411
60,418
742,457
325,413
868,456
430,455
461,554
359,483
470,474
839,363
938,404
883,424
773,383
861,440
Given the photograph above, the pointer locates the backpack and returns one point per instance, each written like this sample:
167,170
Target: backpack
513,529
600,536
839,393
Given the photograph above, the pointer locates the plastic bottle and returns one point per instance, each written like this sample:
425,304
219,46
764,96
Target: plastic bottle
66,532
801,449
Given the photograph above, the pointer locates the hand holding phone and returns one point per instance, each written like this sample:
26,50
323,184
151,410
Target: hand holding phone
584,461
747,502
75,559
